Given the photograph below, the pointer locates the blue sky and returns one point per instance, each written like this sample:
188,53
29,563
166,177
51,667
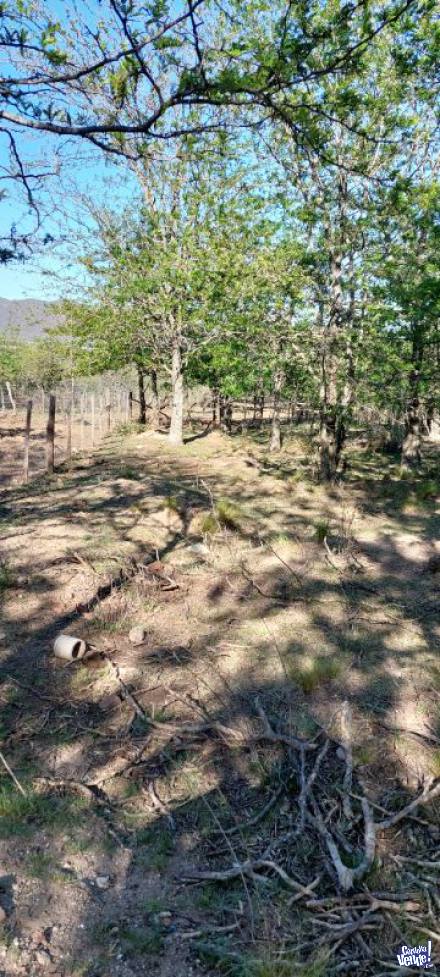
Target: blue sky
86,172
43,274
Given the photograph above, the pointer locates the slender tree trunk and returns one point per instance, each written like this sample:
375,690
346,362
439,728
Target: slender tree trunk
226,415
331,430
328,458
412,442
255,407
275,432
50,436
141,387
10,395
155,405
27,437
332,409
176,426
216,408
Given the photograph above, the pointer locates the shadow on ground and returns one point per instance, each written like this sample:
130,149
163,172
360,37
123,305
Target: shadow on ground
265,620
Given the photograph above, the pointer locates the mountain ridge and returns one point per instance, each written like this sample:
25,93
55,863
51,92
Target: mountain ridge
30,316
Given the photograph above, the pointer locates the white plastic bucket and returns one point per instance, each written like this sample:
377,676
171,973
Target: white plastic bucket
69,648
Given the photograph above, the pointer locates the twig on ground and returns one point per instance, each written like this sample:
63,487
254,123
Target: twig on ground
86,790
274,737
420,862
251,822
12,775
346,737
251,868
347,876
429,792
218,930
125,690
159,805
306,785
427,737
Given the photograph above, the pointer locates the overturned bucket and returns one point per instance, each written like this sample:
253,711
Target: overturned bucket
69,648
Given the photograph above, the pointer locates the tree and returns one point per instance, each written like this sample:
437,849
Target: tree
406,310
165,275
126,76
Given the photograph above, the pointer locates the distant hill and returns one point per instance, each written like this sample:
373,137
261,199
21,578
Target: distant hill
31,316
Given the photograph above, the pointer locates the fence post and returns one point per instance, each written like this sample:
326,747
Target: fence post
81,423
50,436
69,434
27,435
108,408
92,411
130,404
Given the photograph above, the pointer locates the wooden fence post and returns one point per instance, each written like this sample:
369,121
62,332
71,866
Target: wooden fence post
130,404
81,423
92,411
69,434
27,435
50,436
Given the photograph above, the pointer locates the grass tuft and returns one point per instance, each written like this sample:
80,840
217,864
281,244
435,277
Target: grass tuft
21,815
6,577
229,514
310,677
222,958
209,525
322,529
142,941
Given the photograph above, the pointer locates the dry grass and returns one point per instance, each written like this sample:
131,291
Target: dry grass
314,675
217,641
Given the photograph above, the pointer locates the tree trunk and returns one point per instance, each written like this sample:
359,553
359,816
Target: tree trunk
255,407
50,436
331,430
176,426
142,405
328,453
411,457
216,408
226,415
155,405
275,432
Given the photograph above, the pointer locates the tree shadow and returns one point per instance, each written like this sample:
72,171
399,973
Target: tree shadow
370,625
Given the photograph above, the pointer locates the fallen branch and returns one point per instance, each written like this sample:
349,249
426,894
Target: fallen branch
250,868
251,822
218,930
86,790
12,775
159,805
420,862
348,876
274,737
426,737
429,792
346,738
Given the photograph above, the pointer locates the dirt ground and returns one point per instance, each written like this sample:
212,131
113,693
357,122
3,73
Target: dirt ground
261,595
